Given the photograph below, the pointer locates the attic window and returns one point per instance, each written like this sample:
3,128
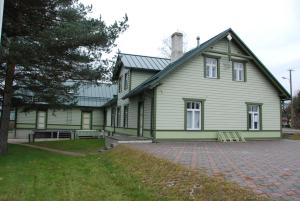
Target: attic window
238,71
211,68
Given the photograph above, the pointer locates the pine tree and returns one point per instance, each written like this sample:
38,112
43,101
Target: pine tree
46,43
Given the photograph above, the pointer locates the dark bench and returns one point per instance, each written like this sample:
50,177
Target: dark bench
38,134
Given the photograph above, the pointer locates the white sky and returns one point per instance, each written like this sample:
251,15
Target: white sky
270,28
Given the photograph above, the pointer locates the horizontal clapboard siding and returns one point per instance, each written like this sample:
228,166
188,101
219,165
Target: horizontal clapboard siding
224,108
137,77
60,119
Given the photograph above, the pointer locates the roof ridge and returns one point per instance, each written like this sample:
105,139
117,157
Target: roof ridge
191,53
145,56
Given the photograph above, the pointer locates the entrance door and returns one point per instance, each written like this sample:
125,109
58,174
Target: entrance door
86,121
41,120
140,118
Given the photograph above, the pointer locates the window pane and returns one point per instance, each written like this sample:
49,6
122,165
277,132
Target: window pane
188,105
207,71
197,105
255,108
214,71
189,119
197,119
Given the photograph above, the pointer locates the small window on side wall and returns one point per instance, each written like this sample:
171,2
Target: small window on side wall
120,84
211,68
126,81
238,71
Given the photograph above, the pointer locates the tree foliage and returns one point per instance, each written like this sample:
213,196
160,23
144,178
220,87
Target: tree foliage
52,41
286,110
45,45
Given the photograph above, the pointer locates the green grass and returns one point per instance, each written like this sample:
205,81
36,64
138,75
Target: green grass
118,174
30,174
82,145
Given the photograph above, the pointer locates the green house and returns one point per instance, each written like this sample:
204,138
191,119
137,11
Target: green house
220,85
87,115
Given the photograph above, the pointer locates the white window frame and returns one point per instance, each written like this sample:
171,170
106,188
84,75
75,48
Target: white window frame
253,120
193,110
237,68
209,66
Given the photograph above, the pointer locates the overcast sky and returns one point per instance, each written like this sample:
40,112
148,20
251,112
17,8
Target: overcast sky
270,28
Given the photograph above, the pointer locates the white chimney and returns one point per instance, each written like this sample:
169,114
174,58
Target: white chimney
177,46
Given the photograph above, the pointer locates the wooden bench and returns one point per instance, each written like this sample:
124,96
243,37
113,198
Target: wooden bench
39,134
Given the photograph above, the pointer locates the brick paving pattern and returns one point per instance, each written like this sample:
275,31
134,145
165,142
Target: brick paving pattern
267,167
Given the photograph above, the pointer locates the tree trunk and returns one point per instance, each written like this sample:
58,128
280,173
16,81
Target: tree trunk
6,104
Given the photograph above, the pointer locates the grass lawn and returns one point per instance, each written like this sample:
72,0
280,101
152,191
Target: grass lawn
82,145
118,174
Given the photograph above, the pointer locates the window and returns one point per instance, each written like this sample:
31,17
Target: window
126,81
254,117
86,120
193,115
211,67
119,117
41,119
125,123
238,71
120,84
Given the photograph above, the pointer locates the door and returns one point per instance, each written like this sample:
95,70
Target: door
140,118
41,120
86,120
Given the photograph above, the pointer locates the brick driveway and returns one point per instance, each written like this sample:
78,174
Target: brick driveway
267,167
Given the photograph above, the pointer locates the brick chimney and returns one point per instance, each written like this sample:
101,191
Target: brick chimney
177,46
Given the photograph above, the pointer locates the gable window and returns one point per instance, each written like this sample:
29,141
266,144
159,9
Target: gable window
238,71
254,117
126,81
211,69
120,84
125,123
194,114
119,117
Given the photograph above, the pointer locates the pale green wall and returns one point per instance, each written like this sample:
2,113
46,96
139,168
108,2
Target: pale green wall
213,134
56,119
108,116
137,77
224,108
25,119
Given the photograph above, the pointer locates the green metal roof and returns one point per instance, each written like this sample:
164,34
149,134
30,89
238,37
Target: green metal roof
91,95
154,80
140,62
